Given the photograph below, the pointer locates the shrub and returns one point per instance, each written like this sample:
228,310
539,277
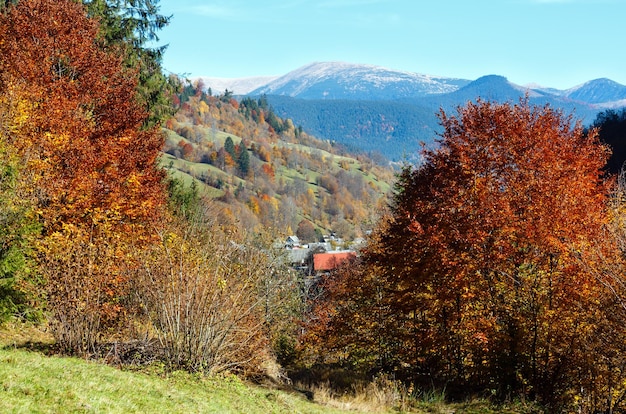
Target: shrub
207,296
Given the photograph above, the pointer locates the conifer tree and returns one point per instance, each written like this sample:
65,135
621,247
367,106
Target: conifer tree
243,161
229,147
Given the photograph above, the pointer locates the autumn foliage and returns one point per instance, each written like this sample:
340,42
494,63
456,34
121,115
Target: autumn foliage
83,130
89,167
479,280
88,225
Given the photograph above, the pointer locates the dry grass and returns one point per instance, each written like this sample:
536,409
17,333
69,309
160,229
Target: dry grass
25,335
379,396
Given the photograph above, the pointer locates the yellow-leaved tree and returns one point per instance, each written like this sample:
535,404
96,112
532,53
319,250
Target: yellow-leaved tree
90,166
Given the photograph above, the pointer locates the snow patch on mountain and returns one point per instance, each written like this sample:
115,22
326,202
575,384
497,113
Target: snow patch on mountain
345,80
238,86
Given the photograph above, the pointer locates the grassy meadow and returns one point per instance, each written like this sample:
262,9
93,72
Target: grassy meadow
34,380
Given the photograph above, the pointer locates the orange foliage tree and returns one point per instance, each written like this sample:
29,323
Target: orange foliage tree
475,280
94,166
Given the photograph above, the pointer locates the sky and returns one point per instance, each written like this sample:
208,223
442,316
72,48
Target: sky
552,43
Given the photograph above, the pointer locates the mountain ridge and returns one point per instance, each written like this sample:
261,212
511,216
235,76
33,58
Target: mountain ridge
376,109
342,80
336,80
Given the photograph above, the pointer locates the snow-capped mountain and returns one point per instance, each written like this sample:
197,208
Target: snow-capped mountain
238,86
339,80
372,108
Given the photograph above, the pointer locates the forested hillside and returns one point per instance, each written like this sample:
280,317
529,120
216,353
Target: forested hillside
266,171
397,126
391,129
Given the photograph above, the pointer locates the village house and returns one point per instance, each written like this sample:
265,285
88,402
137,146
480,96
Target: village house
292,242
325,262
315,258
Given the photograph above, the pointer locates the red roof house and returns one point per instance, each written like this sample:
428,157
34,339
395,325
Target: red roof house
331,260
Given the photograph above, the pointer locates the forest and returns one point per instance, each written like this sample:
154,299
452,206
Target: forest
397,128
140,214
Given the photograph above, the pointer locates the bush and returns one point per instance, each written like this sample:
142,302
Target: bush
206,295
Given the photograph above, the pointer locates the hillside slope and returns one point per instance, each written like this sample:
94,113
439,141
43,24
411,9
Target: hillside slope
34,383
268,172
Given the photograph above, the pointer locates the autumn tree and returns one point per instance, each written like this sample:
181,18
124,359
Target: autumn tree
131,25
306,231
90,160
484,289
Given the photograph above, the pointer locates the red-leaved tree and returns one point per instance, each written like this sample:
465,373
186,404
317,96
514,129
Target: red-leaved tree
91,166
477,276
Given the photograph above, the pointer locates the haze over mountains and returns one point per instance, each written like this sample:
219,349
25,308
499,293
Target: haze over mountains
372,108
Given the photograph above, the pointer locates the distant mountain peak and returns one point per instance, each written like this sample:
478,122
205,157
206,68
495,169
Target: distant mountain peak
496,88
341,80
238,86
491,78
598,91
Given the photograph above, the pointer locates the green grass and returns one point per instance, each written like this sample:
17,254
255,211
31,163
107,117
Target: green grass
31,382
179,166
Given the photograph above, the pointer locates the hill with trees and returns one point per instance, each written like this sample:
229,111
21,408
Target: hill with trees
268,172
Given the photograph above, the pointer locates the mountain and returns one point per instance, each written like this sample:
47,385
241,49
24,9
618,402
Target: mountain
339,80
392,112
349,81
238,86
598,91
493,88
499,89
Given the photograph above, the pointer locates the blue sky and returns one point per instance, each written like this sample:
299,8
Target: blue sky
556,43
